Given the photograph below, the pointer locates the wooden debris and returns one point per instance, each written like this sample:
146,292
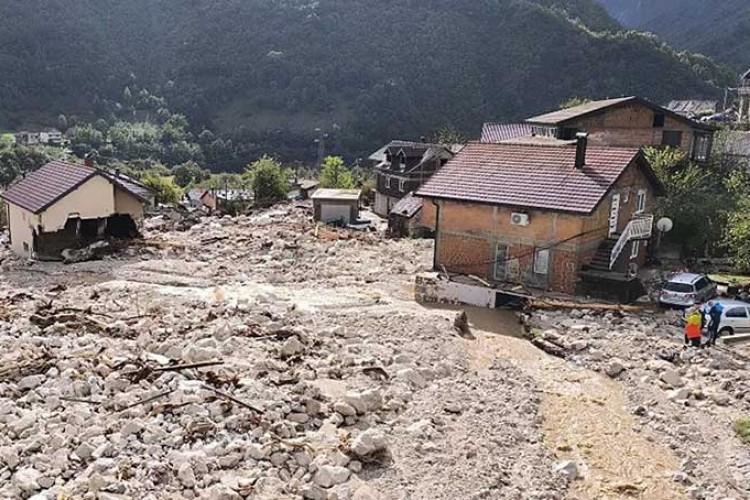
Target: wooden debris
233,399
199,364
148,400
556,304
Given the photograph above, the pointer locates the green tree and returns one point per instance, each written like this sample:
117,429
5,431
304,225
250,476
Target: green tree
573,102
269,180
448,135
335,174
694,200
737,232
189,173
164,187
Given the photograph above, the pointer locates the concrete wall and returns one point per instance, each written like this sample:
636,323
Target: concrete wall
21,223
93,199
353,208
429,289
126,203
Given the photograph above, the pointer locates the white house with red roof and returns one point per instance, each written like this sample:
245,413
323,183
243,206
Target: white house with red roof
68,205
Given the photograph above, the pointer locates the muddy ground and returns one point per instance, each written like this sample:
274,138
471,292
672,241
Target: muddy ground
334,383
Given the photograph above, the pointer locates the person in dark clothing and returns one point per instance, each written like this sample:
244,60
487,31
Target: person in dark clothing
715,310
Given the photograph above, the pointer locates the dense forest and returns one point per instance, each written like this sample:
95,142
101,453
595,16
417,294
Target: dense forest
718,28
275,75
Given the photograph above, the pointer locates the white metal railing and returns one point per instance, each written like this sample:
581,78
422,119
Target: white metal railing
640,228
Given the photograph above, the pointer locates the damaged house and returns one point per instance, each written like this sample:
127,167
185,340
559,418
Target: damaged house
558,216
65,205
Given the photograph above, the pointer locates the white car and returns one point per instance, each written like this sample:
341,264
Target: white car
735,318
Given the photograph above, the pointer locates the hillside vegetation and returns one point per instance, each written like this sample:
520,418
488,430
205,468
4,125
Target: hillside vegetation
718,28
265,74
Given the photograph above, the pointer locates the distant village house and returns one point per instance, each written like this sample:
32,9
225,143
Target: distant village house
202,199
559,217
65,205
52,137
627,122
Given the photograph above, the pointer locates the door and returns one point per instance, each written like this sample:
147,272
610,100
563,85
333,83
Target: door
501,262
614,214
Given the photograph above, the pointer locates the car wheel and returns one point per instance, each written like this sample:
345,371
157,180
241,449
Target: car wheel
726,331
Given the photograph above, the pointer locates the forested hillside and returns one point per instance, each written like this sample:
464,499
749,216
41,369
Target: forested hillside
268,73
718,28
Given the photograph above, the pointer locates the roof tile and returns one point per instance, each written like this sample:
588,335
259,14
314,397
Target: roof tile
528,175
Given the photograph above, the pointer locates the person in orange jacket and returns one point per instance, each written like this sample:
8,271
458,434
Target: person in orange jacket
693,326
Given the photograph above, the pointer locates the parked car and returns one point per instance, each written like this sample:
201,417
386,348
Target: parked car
685,289
735,318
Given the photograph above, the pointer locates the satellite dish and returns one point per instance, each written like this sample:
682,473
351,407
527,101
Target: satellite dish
665,225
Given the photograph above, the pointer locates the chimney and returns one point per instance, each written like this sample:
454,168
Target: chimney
423,139
582,140
89,161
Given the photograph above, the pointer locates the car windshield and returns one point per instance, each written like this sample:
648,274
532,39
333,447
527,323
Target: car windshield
679,287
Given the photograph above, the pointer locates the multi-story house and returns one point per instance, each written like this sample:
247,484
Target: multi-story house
401,167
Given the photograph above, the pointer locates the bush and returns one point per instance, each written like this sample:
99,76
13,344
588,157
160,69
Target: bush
742,428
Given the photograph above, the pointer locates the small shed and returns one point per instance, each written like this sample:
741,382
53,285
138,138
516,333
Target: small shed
403,220
336,205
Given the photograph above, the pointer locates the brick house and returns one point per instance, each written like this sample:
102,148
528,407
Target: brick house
627,121
553,215
402,166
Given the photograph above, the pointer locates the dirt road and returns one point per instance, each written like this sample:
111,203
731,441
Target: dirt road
585,420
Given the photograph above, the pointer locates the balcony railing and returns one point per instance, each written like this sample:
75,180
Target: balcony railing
640,228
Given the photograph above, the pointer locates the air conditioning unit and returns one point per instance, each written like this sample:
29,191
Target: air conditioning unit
519,219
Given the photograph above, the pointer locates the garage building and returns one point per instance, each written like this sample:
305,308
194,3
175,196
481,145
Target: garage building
337,205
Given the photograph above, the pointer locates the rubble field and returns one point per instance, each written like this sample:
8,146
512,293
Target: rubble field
263,357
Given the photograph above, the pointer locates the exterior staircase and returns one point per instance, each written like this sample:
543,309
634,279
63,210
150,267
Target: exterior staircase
601,259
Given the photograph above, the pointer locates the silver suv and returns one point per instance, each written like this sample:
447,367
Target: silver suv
685,289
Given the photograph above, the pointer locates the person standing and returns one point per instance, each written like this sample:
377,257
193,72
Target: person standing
715,310
694,321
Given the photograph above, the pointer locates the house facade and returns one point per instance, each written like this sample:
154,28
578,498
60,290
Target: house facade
202,199
627,122
401,167
336,205
64,205
549,217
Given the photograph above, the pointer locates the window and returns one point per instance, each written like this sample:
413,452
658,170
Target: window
541,261
501,261
640,202
702,283
387,182
25,247
679,287
737,312
635,250
671,138
700,147
568,134
402,159
401,184
658,120
544,131
388,158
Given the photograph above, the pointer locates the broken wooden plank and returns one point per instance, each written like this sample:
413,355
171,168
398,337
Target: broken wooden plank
557,304
233,399
199,364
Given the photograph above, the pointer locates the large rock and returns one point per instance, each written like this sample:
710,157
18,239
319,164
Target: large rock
615,368
331,475
27,479
672,379
365,401
291,347
186,475
567,468
369,443
30,382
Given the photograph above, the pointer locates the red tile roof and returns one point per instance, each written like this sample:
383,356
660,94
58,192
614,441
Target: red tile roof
529,175
45,186
497,132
